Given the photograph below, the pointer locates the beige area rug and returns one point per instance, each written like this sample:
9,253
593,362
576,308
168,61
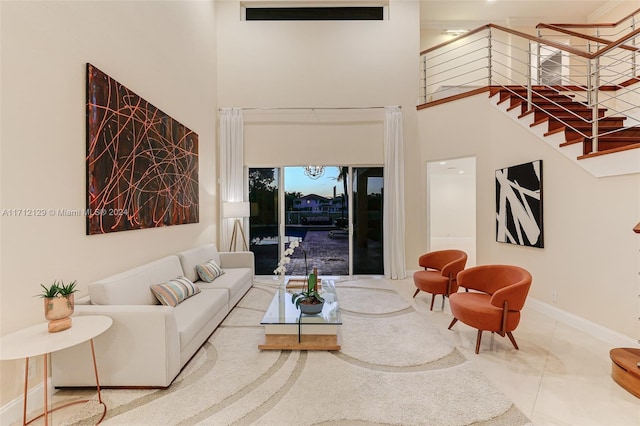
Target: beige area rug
395,368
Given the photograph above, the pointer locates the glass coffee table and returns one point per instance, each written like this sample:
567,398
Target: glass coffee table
285,328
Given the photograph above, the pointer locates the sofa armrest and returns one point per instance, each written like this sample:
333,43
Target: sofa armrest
141,348
82,300
237,259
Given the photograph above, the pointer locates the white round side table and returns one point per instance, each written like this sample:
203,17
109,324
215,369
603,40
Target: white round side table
36,340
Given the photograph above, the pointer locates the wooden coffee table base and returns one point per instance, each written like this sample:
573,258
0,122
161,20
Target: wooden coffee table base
624,369
309,342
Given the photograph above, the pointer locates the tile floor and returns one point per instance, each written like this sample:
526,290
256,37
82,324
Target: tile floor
560,375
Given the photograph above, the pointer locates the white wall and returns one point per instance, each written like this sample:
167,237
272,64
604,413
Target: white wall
451,206
163,51
452,203
590,256
325,64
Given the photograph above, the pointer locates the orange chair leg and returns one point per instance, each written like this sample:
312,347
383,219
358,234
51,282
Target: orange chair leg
478,341
416,293
433,296
455,320
513,340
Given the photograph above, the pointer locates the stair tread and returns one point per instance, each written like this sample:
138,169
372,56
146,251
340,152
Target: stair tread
609,151
524,114
554,131
539,121
572,142
514,106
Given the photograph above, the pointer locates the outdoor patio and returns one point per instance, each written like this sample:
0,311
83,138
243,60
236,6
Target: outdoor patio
327,250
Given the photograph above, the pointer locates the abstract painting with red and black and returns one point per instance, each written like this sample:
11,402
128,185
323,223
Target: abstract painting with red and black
142,165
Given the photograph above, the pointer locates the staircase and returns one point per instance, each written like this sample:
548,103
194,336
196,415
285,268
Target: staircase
562,113
565,124
582,97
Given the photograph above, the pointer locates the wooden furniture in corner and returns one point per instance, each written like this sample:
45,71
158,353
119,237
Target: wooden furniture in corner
625,362
625,370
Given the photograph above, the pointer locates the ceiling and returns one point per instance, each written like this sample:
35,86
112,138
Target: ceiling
470,14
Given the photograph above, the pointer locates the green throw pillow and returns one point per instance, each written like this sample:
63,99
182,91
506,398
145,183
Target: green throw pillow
209,271
172,292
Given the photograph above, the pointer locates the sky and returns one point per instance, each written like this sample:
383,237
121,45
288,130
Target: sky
296,181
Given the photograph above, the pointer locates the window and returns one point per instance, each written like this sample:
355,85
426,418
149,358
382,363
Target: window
314,13
338,218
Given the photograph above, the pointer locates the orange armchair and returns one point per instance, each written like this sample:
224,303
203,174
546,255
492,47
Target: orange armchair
502,291
440,271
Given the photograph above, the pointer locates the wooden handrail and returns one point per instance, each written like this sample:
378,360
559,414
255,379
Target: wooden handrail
460,37
610,46
614,44
510,31
584,36
529,37
637,228
608,25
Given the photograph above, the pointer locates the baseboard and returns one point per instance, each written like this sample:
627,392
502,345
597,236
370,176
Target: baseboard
596,330
12,412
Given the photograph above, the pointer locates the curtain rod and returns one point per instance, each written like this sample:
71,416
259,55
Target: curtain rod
311,108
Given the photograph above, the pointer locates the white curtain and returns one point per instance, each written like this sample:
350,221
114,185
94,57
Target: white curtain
232,174
393,208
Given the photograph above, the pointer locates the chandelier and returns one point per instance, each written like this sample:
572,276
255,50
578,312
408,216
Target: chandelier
314,172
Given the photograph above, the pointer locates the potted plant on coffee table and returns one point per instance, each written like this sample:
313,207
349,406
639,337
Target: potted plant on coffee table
308,300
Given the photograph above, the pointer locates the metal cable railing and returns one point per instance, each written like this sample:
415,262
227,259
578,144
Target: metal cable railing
600,71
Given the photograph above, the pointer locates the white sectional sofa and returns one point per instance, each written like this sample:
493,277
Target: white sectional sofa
149,343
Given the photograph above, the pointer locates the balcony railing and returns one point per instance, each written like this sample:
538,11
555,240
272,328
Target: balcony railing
598,70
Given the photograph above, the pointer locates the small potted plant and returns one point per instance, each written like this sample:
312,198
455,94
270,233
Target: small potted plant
308,300
58,304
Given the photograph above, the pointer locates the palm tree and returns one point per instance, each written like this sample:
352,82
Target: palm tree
343,175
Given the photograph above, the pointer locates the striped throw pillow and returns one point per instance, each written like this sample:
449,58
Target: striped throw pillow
209,271
172,292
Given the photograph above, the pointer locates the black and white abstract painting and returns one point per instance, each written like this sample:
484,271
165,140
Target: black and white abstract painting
519,204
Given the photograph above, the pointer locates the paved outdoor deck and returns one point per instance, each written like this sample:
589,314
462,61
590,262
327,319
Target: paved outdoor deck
329,255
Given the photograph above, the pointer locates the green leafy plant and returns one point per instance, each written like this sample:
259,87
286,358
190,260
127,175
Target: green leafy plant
49,292
67,289
310,295
57,289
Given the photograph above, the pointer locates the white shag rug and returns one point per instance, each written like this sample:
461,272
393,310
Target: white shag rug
394,368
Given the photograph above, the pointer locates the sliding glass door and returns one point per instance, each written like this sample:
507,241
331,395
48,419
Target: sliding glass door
368,190
264,239
317,211
317,215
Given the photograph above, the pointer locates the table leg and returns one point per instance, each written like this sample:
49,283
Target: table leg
46,410
26,386
45,390
95,370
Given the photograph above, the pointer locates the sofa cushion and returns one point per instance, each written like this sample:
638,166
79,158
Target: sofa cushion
233,281
131,287
209,271
172,292
194,313
191,258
